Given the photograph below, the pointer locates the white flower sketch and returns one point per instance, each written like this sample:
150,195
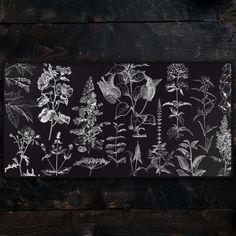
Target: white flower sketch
206,101
177,75
225,89
88,126
161,159
187,162
54,91
23,139
57,151
128,84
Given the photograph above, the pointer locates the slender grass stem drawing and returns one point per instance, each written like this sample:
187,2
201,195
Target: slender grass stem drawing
23,139
57,168
127,85
207,102
54,92
177,75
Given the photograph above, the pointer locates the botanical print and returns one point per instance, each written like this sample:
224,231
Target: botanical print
177,76
117,120
206,101
127,85
54,91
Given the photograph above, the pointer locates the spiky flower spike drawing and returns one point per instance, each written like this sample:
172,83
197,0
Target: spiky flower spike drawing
88,126
23,139
130,87
54,91
225,89
206,102
160,158
177,75
57,151
223,143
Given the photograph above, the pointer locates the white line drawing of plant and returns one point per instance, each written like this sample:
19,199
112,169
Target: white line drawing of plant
177,75
17,106
57,151
131,84
224,144
23,139
187,162
88,126
161,159
30,173
116,144
226,89
207,103
54,91
21,81
92,163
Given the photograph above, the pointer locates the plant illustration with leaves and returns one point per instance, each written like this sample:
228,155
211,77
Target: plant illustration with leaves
177,75
54,91
224,143
116,144
23,139
161,159
92,163
21,80
207,101
225,89
57,151
130,87
187,162
88,126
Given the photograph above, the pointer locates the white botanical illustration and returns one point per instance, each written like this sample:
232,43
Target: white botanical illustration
87,121
189,165
24,138
224,145
54,155
177,76
161,159
55,90
30,173
206,100
116,144
225,89
130,87
92,163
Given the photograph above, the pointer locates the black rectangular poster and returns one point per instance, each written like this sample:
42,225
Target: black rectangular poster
117,120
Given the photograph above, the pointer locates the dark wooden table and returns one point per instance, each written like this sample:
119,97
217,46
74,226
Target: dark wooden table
117,30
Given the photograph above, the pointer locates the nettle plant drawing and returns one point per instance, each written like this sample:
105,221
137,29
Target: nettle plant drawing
92,163
224,144
188,163
24,138
87,121
54,91
57,152
225,89
130,87
177,76
116,144
161,159
207,101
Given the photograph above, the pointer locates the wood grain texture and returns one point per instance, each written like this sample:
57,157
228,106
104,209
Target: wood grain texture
119,222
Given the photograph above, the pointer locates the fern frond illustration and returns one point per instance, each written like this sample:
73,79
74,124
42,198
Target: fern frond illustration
116,144
23,139
88,126
187,162
177,75
225,89
161,160
207,102
57,151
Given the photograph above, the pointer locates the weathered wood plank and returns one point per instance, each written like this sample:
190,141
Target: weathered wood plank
59,11
119,222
